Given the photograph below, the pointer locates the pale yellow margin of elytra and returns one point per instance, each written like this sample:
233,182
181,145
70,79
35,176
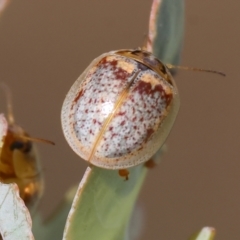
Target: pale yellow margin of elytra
75,201
152,24
15,220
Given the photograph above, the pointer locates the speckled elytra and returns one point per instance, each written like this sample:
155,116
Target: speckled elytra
121,109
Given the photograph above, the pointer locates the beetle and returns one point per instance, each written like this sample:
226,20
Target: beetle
19,160
120,110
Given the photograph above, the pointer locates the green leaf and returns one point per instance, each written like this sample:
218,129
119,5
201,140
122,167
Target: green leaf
15,220
53,227
207,233
166,29
103,204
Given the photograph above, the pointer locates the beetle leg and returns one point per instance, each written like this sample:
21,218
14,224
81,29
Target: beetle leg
123,173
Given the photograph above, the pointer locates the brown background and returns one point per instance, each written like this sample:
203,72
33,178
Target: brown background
45,45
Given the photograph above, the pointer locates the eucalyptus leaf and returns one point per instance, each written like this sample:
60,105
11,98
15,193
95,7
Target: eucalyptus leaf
15,220
166,30
103,204
53,227
207,233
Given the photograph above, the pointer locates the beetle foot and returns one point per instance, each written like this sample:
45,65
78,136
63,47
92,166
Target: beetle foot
124,173
150,164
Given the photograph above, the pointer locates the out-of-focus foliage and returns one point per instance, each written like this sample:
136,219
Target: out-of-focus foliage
3,5
207,233
166,30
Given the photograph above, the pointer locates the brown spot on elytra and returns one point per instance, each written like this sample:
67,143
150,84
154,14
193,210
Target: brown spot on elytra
121,74
78,96
121,113
113,63
113,135
106,61
122,123
149,112
143,87
103,61
149,133
146,88
134,119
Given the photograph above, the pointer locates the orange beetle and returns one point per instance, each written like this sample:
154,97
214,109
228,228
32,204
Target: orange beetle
19,162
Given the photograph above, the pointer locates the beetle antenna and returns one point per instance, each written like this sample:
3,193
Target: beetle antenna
170,66
37,140
8,94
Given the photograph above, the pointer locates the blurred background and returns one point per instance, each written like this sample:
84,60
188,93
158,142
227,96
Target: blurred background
44,47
